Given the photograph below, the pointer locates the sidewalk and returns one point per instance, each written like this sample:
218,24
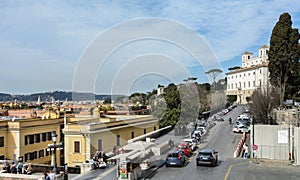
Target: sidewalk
273,163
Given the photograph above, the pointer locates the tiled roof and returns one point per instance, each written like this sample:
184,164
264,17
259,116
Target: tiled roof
264,64
246,52
264,46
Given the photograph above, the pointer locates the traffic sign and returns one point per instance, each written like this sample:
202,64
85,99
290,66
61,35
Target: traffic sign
255,147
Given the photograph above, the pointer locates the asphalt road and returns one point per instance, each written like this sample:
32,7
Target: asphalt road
221,138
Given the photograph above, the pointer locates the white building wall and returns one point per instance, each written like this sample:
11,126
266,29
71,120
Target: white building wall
266,138
253,75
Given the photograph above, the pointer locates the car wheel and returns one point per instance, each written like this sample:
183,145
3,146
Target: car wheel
167,165
197,164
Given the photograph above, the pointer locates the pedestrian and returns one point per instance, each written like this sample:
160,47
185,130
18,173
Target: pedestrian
245,151
95,158
114,150
20,167
52,175
105,157
13,168
45,176
6,167
29,169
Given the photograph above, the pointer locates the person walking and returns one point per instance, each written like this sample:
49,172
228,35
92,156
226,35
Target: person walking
245,151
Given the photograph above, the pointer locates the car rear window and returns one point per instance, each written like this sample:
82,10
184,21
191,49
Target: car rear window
205,154
173,155
182,147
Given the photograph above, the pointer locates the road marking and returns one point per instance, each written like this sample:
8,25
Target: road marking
229,169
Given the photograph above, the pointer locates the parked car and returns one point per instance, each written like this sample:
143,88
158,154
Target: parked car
244,115
241,129
175,158
211,123
242,123
207,156
218,118
204,124
184,146
197,136
201,129
225,111
192,143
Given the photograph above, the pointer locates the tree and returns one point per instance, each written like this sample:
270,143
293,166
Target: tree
248,99
107,100
231,98
167,107
263,101
213,73
190,103
138,98
284,54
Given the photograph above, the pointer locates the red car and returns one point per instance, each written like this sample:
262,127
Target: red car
187,151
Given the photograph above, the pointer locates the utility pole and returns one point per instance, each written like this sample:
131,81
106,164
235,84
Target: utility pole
252,135
289,139
293,156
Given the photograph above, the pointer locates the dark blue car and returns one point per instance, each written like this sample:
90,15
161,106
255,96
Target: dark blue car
207,156
175,158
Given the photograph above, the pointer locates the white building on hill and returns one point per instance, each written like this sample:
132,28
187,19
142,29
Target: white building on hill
254,74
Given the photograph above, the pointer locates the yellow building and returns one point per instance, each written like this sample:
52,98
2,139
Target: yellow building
83,137
29,139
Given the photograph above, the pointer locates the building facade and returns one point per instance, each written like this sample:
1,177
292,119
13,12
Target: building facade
253,75
83,137
29,138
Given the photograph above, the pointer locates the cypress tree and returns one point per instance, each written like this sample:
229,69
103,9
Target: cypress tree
283,54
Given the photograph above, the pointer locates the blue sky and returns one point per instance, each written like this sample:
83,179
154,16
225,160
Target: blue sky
42,43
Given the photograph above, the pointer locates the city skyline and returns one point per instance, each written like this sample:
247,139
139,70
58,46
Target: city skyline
42,43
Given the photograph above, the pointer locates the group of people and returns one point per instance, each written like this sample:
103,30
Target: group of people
47,176
17,169
100,159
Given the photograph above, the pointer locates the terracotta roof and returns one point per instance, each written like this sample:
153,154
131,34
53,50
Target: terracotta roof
264,46
246,52
264,64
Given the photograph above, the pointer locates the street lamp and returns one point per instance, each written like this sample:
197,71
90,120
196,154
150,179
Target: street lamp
54,146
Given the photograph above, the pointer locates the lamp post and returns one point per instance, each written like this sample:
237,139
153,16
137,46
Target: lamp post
54,146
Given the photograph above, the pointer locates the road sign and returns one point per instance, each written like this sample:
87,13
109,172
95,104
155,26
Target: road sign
255,147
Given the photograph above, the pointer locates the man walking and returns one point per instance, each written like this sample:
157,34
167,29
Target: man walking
245,148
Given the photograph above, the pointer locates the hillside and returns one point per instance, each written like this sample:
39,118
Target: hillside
56,95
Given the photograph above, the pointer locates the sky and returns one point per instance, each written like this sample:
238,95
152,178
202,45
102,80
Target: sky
121,47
